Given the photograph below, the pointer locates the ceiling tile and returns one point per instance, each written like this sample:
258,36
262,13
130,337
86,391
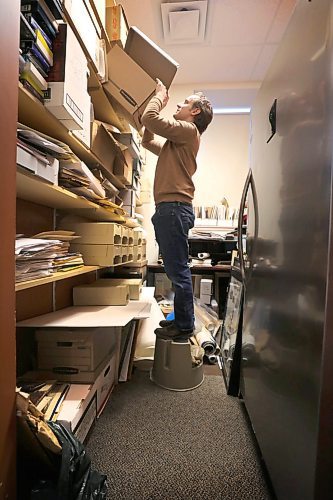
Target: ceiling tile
281,21
242,21
229,64
237,31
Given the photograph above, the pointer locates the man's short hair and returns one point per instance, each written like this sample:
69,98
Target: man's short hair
202,119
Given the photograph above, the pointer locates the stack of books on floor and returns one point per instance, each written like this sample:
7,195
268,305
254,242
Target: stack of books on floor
38,29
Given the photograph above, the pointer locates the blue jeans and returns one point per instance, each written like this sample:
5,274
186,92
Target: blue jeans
172,221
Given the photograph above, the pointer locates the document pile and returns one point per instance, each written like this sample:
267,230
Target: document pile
40,153
75,176
45,254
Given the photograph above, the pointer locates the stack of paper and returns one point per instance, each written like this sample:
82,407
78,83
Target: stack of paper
88,185
41,257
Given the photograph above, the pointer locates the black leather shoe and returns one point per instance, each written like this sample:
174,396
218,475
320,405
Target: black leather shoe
166,322
171,332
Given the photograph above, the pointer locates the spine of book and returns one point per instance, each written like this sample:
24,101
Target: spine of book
31,47
32,90
57,72
36,27
31,71
35,10
49,14
31,58
44,48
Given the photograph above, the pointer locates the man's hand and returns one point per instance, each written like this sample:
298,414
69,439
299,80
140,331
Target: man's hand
161,92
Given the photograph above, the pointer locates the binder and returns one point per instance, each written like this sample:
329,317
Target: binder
35,26
38,50
31,74
33,52
34,8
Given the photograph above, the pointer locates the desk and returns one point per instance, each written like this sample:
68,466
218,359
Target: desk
220,274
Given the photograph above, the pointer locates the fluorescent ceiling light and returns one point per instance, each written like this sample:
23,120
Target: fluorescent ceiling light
231,111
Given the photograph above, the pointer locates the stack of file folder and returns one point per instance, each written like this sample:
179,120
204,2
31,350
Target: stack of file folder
39,257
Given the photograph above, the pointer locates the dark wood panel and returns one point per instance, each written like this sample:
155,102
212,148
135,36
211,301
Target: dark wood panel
9,41
34,301
32,218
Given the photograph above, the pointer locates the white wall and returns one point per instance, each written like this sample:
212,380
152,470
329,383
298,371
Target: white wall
222,163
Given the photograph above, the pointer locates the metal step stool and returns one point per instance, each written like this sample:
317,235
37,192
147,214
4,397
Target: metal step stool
172,367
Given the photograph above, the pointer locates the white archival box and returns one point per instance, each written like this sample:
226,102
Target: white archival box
68,97
75,349
46,169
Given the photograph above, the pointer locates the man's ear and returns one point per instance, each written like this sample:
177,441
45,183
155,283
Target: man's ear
195,111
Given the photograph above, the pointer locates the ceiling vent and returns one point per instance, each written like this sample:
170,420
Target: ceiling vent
184,22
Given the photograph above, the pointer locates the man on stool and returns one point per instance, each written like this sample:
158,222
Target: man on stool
173,195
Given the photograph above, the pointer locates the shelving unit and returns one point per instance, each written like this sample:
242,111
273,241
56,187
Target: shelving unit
39,207
55,277
35,115
33,188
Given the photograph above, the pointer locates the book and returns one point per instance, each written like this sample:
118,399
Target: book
30,45
55,7
34,51
32,72
31,58
27,85
26,31
34,8
35,26
43,46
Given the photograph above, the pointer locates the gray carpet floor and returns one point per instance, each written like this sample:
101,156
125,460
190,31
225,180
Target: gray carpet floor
155,444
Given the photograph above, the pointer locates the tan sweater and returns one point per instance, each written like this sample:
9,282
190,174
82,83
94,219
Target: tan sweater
176,162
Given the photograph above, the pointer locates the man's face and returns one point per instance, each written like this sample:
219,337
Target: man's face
185,110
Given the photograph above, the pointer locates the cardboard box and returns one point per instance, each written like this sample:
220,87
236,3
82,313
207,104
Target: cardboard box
206,286
137,234
103,145
112,154
106,381
79,409
116,25
99,255
130,253
96,233
205,299
73,350
87,420
133,72
103,108
100,6
67,97
134,285
128,140
122,170
86,26
84,134
84,402
124,235
137,254
45,168
100,293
